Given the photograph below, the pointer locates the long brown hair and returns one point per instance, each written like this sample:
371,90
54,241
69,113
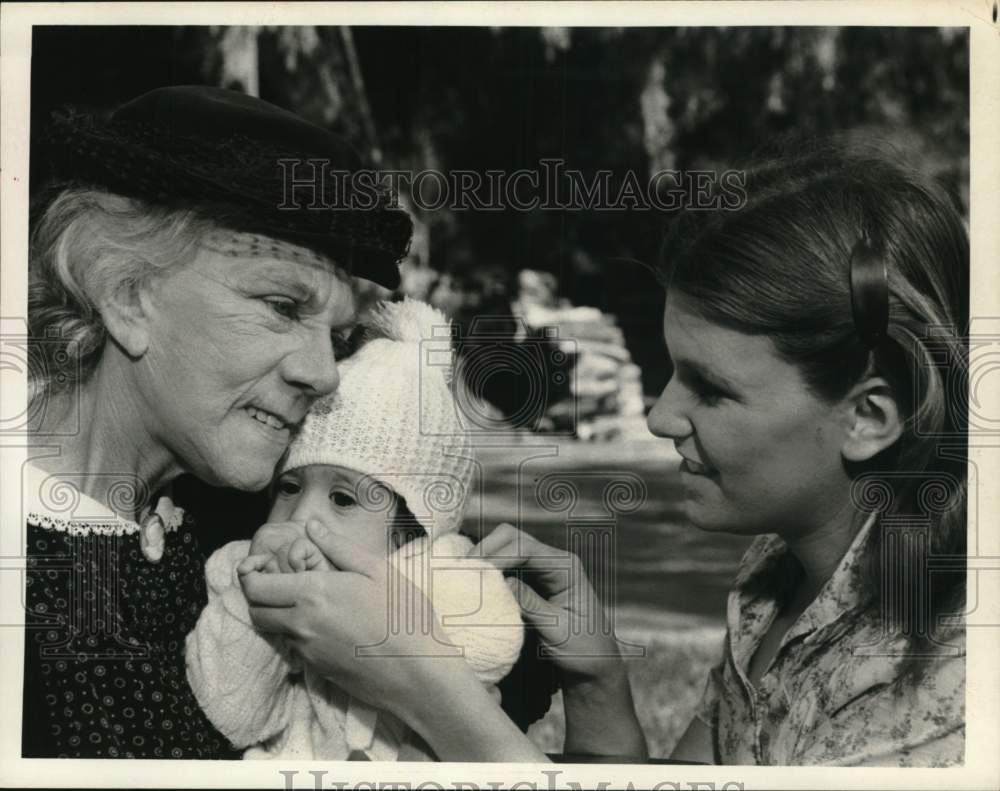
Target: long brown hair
778,266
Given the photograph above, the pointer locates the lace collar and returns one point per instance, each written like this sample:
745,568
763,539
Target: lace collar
54,502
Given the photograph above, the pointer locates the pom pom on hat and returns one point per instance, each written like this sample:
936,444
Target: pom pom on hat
409,320
394,416
412,321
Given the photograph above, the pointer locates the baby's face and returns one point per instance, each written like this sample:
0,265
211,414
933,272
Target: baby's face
332,495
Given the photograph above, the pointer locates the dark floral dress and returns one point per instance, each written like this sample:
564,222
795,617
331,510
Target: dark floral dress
104,673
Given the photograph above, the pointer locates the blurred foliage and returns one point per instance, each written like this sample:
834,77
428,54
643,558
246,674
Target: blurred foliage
623,99
486,98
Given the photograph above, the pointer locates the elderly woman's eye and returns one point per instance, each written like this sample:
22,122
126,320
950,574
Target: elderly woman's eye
342,499
288,487
283,306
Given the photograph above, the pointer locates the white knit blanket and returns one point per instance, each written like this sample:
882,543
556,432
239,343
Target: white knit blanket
261,698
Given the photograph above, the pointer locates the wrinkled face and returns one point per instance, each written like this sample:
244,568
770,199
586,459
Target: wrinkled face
761,453
342,499
240,345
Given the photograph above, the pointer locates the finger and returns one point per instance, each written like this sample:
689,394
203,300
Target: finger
252,563
512,547
298,554
536,610
344,554
296,561
284,559
271,590
497,541
273,620
552,570
316,562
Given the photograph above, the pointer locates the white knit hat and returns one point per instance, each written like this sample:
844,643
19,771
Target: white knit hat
394,417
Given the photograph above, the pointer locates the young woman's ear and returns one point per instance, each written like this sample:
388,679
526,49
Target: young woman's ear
874,421
125,312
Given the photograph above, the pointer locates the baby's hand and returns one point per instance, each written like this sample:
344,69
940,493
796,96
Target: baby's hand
267,564
281,547
303,555
298,555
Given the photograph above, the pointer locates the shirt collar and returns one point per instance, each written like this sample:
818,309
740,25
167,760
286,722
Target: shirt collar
764,568
54,501
843,593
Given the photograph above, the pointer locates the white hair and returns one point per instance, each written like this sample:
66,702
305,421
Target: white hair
87,245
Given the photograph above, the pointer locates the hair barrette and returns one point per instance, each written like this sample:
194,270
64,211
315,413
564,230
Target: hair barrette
869,293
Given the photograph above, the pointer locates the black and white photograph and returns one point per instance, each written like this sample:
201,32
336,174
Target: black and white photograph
481,392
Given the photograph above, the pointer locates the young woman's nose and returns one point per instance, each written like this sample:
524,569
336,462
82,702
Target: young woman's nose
667,417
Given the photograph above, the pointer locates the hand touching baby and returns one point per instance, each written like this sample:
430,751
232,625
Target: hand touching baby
283,547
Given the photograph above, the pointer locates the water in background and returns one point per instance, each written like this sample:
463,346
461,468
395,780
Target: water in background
665,573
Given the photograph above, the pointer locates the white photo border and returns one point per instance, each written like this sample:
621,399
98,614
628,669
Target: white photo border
982,769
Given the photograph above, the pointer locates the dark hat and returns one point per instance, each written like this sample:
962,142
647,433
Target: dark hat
218,152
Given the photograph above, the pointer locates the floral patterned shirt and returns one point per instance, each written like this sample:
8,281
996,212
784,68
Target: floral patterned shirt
832,694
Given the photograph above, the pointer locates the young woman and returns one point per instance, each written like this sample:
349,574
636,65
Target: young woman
818,399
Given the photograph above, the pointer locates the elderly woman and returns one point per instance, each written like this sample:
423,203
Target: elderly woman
818,401
187,305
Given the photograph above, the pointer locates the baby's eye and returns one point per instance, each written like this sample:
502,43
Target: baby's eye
343,499
288,487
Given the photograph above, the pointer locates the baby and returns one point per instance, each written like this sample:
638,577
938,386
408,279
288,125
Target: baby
387,463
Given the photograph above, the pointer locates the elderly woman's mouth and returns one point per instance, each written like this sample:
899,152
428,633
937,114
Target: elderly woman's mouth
266,418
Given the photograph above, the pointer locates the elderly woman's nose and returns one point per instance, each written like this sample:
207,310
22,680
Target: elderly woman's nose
313,366
667,417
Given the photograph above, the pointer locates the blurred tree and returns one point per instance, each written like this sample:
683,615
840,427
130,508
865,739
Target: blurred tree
620,99
642,100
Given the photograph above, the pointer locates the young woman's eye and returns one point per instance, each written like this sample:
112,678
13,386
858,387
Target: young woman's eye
283,306
288,487
342,499
708,394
